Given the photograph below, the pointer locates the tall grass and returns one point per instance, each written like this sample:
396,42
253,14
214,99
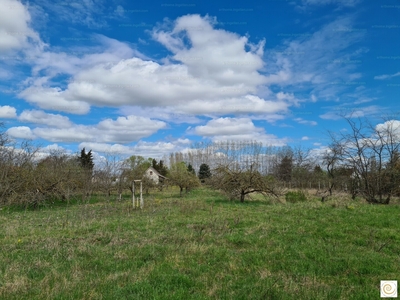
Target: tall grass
201,246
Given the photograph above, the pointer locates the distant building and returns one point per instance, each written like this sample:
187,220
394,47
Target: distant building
154,175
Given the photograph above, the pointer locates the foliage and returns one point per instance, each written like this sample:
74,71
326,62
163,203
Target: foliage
295,196
180,176
190,169
86,160
160,167
285,169
204,172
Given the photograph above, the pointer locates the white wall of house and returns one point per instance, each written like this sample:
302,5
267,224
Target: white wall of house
152,174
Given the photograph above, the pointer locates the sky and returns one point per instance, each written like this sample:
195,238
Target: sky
153,78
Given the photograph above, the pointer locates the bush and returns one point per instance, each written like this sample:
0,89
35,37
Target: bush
297,196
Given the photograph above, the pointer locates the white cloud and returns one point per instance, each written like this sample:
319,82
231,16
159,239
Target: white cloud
387,76
168,114
14,26
244,105
122,130
49,149
217,55
41,117
7,111
146,149
53,99
215,74
128,129
227,126
106,51
339,112
21,132
305,122
391,126
305,138
236,129
106,148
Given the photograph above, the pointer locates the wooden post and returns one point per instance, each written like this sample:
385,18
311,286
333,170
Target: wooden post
133,194
135,205
141,196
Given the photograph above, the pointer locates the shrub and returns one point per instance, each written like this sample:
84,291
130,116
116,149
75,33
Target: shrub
297,196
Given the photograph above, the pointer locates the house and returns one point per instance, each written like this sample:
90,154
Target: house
154,175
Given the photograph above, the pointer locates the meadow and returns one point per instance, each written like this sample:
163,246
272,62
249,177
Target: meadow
200,246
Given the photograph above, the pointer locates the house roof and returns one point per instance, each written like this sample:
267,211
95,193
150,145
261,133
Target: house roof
156,172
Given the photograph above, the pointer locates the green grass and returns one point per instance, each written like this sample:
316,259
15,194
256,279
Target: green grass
201,246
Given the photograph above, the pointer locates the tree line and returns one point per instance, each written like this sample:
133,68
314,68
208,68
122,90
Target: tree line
363,161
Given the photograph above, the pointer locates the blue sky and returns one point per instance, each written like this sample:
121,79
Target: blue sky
150,79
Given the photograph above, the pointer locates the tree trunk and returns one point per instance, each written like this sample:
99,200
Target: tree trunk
180,193
242,194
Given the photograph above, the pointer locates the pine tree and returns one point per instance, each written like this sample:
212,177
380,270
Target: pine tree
190,169
204,172
86,160
285,169
159,167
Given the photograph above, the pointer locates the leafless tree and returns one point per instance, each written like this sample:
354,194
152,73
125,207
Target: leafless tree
371,151
239,182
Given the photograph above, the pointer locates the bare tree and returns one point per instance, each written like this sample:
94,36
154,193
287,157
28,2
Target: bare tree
239,182
371,152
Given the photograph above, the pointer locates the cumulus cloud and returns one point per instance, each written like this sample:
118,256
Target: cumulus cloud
391,126
236,129
227,126
218,55
168,114
146,149
244,105
212,73
53,99
41,117
122,130
7,111
21,132
14,26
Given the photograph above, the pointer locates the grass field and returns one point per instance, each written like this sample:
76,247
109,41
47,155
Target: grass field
201,246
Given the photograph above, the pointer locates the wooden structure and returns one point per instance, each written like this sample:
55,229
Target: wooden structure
135,205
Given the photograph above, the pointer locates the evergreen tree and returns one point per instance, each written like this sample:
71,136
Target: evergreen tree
204,172
159,167
162,168
285,169
86,160
190,169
